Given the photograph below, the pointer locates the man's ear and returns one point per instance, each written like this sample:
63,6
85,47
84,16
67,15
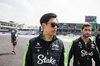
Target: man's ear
81,30
43,25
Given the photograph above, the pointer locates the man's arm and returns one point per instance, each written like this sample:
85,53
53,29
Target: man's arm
69,54
96,57
94,39
63,58
27,61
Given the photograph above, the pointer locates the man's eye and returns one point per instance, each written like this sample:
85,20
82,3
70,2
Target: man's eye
85,29
89,30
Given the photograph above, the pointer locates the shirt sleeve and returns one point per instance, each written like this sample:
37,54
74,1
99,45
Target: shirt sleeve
27,61
69,54
63,58
96,57
94,39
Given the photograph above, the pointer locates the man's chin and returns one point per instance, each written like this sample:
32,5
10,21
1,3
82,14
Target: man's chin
53,34
87,36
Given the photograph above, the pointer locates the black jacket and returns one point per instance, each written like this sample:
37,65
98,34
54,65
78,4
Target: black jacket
97,40
83,53
13,37
38,54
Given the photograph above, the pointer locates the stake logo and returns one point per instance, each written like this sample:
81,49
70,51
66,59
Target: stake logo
43,59
84,53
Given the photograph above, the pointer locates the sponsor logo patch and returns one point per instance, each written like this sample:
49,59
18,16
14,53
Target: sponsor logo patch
43,59
85,53
54,47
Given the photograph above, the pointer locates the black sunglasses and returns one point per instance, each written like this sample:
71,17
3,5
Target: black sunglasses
53,25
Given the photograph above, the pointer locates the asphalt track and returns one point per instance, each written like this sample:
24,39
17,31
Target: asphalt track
7,59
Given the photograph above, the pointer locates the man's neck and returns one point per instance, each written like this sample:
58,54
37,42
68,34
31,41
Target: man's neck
47,36
85,39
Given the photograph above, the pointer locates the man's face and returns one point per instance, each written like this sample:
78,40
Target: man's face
50,28
86,32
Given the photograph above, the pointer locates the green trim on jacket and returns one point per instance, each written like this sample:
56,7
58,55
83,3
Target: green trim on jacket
94,39
68,52
65,58
25,53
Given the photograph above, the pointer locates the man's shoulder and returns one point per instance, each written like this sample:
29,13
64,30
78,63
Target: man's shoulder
59,40
97,35
34,39
76,40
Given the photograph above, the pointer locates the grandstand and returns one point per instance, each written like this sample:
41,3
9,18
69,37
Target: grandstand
7,26
74,28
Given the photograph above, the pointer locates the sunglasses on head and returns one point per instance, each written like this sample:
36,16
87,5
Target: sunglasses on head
53,25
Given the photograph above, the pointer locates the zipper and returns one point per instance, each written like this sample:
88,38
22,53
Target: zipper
87,57
78,63
47,52
45,48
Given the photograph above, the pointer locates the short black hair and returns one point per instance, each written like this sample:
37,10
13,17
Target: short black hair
86,25
45,18
99,29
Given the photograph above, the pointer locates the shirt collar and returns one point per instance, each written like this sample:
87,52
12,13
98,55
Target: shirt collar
41,36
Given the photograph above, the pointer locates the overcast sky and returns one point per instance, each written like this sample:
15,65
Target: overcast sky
30,11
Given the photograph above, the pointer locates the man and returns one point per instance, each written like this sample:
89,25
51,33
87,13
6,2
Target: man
14,36
97,39
83,49
46,49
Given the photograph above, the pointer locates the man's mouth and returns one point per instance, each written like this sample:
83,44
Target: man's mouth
87,34
54,30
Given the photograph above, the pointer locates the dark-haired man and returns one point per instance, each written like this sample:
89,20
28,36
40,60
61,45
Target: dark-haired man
14,40
46,49
83,49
